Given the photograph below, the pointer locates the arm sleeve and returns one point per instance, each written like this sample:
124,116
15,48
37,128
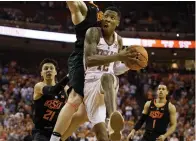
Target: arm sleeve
140,122
48,90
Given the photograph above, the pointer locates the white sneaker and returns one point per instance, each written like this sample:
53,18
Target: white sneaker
116,124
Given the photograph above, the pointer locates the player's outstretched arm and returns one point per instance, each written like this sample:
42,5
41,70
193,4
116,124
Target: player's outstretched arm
173,123
141,120
90,50
42,89
78,11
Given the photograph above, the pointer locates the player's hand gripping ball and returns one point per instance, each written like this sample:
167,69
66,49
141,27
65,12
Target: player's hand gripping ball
140,61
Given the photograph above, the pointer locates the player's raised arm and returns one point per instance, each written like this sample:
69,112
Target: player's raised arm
90,49
78,11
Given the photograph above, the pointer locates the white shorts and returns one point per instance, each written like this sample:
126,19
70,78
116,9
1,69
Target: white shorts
94,100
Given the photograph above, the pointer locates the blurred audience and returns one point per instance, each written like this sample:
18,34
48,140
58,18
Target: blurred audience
16,90
54,16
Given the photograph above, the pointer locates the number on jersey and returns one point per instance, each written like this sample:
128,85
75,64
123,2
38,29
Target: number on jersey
49,115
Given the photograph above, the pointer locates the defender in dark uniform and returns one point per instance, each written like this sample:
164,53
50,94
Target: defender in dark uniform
49,98
47,109
75,61
157,114
84,15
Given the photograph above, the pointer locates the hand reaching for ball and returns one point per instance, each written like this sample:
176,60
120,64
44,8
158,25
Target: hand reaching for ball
128,54
135,57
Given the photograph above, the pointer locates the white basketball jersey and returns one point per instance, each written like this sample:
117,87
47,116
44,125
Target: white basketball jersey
103,49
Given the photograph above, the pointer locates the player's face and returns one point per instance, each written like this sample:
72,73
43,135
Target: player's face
110,21
48,71
162,91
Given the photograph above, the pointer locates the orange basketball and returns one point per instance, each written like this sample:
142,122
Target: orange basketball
142,58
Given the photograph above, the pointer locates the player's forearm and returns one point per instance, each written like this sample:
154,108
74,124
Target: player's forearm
97,60
48,90
140,122
170,130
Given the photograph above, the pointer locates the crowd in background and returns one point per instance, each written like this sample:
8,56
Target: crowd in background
17,82
146,17
16,90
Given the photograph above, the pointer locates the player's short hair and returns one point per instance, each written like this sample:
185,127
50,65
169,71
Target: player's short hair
48,60
163,85
113,8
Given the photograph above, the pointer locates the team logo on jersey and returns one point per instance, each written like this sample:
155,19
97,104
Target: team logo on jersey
53,104
156,114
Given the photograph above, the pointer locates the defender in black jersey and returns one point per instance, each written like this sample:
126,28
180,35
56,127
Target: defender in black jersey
84,15
49,97
157,114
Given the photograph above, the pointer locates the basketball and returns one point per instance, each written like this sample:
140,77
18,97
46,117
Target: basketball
142,58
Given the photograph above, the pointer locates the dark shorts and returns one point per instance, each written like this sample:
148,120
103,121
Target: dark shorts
150,136
39,135
76,72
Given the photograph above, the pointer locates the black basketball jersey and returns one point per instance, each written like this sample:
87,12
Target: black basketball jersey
158,118
47,109
94,15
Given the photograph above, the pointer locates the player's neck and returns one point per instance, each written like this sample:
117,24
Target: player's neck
49,82
107,35
161,100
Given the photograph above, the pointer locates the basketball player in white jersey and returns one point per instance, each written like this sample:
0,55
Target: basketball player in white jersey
102,55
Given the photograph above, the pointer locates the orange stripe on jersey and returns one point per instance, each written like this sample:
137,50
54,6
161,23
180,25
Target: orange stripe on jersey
154,122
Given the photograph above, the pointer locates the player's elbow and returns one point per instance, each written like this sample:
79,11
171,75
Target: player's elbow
89,62
173,126
73,6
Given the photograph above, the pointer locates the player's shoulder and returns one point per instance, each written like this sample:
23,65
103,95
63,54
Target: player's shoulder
148,103
93,33
93,30
172,107
118,36
39,84
119,39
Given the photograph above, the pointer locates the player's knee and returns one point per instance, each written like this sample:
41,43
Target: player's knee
101,132
74,99
81,117
106,77
102,137
107,80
